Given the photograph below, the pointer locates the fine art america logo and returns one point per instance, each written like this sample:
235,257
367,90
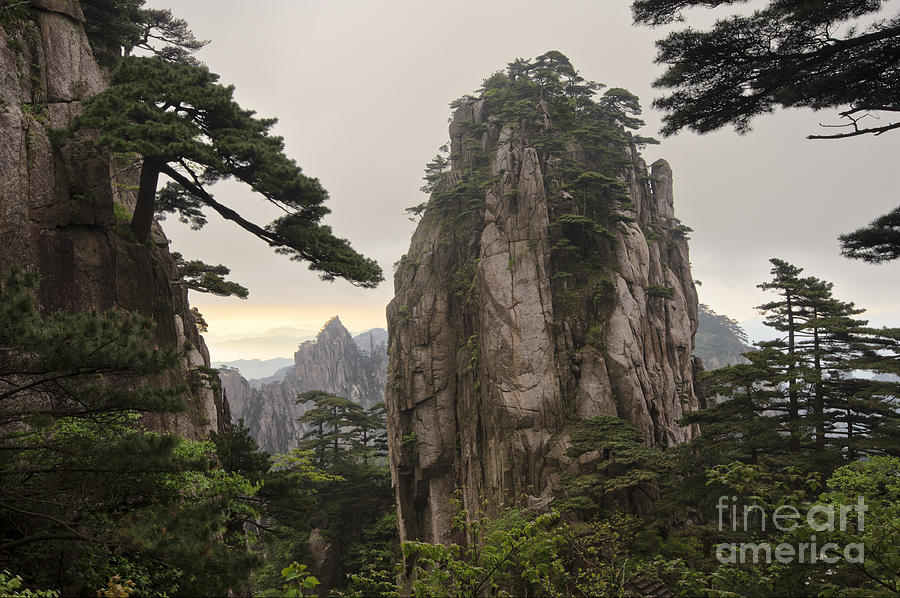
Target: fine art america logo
787,518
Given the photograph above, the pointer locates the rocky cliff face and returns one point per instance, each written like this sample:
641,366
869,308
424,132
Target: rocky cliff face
502,334
57,199
334,362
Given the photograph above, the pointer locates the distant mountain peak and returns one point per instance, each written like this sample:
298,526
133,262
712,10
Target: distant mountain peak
334,362
332,326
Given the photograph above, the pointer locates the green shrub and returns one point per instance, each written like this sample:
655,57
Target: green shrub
595,336
659,290
11,585
122,227
650,233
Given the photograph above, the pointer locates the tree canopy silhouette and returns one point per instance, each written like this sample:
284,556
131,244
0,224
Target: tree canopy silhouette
842,54
187,126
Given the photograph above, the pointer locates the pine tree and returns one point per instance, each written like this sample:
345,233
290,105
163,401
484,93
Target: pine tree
752,422
840,54
627,471
346,487
118,27
333,423
813,388
877,243
203,278
786,315
863,402
185,125
239,453
85,491
372,437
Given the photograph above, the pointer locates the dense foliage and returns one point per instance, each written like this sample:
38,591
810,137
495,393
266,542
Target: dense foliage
328,503
838,55
355,512
87,492
788,53
157,514
187,126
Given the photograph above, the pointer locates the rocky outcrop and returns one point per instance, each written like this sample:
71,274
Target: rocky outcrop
499,339
369,341
334,362
270,414
57,199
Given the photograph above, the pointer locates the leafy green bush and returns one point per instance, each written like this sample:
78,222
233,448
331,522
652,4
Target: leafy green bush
12,585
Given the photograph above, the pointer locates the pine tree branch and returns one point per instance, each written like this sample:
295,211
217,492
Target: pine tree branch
73,535
222,210
865,131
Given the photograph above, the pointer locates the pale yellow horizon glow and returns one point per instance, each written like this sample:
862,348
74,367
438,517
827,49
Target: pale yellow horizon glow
240,318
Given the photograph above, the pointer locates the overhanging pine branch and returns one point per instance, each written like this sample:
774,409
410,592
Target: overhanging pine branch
223,211
870,131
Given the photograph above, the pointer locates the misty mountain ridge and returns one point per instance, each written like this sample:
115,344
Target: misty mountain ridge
252,369
719,341
279,342
258,371
293,331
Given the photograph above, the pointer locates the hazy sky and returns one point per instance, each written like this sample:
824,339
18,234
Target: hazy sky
362,90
